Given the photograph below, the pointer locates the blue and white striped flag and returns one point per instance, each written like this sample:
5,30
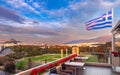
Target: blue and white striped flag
104,21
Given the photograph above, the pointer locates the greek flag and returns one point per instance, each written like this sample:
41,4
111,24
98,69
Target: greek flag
104,21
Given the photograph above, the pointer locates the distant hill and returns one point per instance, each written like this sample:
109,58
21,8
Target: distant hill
105,38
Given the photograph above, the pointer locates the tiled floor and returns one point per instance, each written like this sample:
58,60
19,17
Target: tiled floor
91,70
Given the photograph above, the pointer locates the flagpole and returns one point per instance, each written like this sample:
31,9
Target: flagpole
113,36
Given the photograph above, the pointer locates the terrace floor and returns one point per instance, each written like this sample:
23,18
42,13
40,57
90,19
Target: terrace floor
94,70
2,73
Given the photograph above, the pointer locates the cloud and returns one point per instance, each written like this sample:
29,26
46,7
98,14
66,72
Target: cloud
27,30
77,5
22,4
36,5
30,39
10,15
108,4
56,25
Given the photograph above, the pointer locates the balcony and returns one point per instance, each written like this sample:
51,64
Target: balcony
88,68
93,69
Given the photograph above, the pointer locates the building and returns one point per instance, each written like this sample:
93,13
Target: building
90,44
115,57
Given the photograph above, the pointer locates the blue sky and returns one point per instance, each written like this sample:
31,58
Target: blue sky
52,21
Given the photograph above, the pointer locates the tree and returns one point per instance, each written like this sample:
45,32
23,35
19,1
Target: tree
12,41
10,67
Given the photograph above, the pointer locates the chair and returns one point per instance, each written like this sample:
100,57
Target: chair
59,71
64,71
53,71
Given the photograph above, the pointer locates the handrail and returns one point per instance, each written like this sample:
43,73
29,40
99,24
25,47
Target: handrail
44,67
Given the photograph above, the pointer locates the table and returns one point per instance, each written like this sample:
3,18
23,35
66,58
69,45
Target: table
80,59
75,65
83,58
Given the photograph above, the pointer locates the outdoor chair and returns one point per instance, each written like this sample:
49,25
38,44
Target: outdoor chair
65,71
59,71
53,71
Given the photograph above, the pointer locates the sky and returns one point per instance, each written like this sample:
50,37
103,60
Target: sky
53,21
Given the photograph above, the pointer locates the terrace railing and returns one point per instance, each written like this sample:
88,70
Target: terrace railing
45,67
